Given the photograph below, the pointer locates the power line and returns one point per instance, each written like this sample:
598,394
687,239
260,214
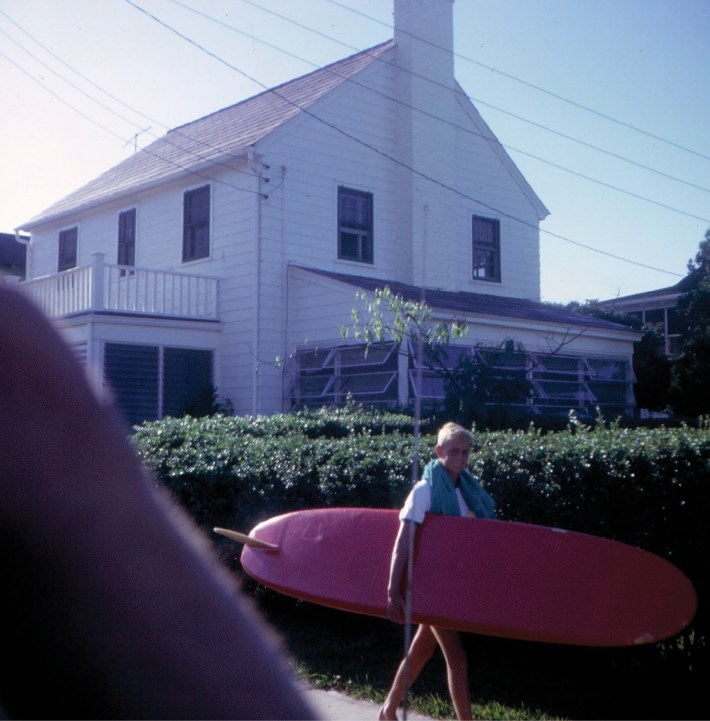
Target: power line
147,150
527,83
100,125
472,99
380,152
211,147
468,130
175,132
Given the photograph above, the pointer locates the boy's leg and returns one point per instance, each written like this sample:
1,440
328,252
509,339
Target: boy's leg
112,605
457,669
420,651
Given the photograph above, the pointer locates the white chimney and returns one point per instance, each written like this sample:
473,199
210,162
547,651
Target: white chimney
426,135
424,35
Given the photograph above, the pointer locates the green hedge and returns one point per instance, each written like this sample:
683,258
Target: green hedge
647,487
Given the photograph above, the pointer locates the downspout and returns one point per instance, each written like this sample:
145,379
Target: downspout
257,168
28,255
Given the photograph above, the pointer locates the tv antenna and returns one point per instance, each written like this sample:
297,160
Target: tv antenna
134,139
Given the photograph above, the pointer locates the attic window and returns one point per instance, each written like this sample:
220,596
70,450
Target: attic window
196,228
67,249
355,225
486,249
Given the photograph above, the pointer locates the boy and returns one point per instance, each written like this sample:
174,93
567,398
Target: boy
447,488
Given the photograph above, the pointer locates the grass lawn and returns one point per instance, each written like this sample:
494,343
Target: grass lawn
358,655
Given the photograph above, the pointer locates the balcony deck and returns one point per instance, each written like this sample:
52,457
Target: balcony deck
102,287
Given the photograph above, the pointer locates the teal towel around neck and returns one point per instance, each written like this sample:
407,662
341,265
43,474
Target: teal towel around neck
443,492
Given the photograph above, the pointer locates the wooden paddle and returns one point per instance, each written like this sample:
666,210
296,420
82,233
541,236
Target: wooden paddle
246,540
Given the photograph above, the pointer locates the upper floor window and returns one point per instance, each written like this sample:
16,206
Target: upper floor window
486,249
196,225
355,225
127,237
67,248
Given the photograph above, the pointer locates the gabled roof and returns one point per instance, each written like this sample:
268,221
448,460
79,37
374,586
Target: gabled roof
501,153
671,292
477,303
215,138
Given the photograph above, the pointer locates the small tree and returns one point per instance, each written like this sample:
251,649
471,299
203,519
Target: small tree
472,385
690,376
391,317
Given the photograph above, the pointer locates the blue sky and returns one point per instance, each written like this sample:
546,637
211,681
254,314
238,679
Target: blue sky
604,105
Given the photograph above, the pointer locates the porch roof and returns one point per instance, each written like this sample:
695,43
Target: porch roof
478,303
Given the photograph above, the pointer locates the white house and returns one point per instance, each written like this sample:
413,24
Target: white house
242,237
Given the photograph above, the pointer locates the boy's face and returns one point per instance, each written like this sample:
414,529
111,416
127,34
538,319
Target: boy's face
454,456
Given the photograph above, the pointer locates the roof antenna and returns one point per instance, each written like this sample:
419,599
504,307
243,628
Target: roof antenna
135,138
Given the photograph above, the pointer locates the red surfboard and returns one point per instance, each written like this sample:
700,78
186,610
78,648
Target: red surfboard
496,578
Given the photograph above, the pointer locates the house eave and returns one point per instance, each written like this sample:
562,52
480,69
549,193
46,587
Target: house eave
489,136
46,218
558,322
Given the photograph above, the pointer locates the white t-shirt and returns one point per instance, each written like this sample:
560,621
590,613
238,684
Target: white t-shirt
419,502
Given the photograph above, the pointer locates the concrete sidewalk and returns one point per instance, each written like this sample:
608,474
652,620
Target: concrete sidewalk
334,706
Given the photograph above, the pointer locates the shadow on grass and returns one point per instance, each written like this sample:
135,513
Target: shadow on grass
509,679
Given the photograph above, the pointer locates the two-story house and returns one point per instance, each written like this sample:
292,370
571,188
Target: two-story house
242,237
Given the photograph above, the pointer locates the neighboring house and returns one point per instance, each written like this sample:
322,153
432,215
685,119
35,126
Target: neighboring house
242,237
13,254
656,308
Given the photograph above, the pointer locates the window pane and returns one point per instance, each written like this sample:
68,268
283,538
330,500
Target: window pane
67,249
196,233
483,263
486,248
127,238
355,225
349,245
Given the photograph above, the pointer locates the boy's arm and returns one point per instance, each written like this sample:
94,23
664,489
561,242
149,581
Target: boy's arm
398,571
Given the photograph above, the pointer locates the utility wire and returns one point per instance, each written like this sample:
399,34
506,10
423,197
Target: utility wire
237,30
386,155
148,151
558,166
372,148
473,100
166,139
552,94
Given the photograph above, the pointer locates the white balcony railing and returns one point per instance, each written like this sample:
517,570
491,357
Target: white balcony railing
102,286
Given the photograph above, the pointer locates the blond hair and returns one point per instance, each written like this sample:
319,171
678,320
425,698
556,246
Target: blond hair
453,432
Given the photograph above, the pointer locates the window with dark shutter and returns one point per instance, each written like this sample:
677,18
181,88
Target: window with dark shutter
132,373
151,382
187,381
196,226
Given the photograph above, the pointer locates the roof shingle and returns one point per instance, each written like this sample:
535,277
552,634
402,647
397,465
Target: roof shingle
216,137
478,303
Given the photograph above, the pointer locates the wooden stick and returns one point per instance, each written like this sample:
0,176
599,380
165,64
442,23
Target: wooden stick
246,540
